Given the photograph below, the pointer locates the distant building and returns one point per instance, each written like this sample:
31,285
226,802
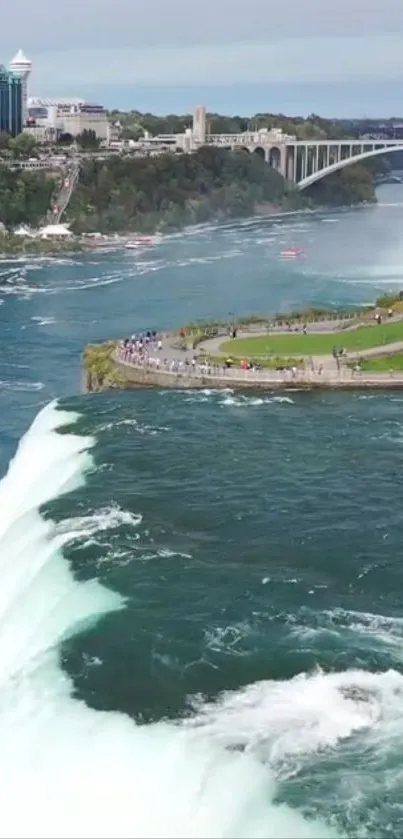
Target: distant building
55,231
11,102
68,116
22,66
199,124
25,232
114,134
41,133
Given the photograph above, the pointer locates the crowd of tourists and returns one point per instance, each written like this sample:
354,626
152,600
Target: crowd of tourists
147,350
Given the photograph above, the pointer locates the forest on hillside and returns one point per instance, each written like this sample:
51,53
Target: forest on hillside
25,197
121,193
171,190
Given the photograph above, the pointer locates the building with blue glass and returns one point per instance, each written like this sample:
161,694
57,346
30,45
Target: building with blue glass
11,102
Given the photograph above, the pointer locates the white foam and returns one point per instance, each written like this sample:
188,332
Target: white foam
44,321
133,423
106,518
45,465
243,401
69,771
16,385
284,722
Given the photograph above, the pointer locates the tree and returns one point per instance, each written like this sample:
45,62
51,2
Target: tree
88,139
4,141
134,132
24,145
25,197
65,139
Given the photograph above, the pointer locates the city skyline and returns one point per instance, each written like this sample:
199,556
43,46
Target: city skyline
307,56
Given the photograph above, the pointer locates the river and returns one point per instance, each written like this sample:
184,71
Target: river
201,629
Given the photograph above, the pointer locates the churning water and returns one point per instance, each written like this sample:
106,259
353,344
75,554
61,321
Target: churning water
67,770
201,625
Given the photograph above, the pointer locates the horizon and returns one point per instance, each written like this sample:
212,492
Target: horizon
333,101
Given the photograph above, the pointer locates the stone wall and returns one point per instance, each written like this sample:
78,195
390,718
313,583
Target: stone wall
146,377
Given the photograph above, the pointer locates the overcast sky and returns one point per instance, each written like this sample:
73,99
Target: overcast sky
217,42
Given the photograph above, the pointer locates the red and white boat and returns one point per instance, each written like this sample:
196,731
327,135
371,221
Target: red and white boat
139,242
292,253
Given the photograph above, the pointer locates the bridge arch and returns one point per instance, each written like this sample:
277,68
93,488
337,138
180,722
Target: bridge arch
260,151
341,164
275,157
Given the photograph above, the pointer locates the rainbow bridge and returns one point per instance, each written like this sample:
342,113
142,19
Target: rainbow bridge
304,162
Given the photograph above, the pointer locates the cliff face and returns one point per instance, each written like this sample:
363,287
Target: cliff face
100,371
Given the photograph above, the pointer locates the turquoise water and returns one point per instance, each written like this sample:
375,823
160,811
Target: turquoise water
249,619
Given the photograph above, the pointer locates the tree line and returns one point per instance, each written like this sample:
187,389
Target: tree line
134,124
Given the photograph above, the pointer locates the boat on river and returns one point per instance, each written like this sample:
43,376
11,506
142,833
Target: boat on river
139,242
292,253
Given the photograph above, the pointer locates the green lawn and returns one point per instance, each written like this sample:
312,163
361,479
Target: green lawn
271,363
383,363
293,343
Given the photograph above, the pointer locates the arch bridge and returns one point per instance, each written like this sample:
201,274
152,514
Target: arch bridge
305,162
312,171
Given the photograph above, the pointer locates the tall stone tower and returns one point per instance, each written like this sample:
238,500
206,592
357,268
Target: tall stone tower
199,124
22,67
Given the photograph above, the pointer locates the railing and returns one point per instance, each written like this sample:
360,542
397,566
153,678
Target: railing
303,377
217,373
213,373
255,138
29,164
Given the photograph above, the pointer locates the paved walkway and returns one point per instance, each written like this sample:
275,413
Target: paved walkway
325,372
148,374
212,346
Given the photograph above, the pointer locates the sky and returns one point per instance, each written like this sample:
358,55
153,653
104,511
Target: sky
294,56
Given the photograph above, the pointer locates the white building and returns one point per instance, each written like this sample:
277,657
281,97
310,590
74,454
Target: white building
68,116
22,66
24,231
55,231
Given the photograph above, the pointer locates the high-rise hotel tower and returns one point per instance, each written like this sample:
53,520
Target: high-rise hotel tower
11,102
21,66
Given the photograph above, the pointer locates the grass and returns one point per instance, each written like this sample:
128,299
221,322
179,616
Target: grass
362,338
270,363
383,363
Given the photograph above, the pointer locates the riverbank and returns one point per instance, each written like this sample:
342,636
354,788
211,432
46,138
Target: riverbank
12,246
